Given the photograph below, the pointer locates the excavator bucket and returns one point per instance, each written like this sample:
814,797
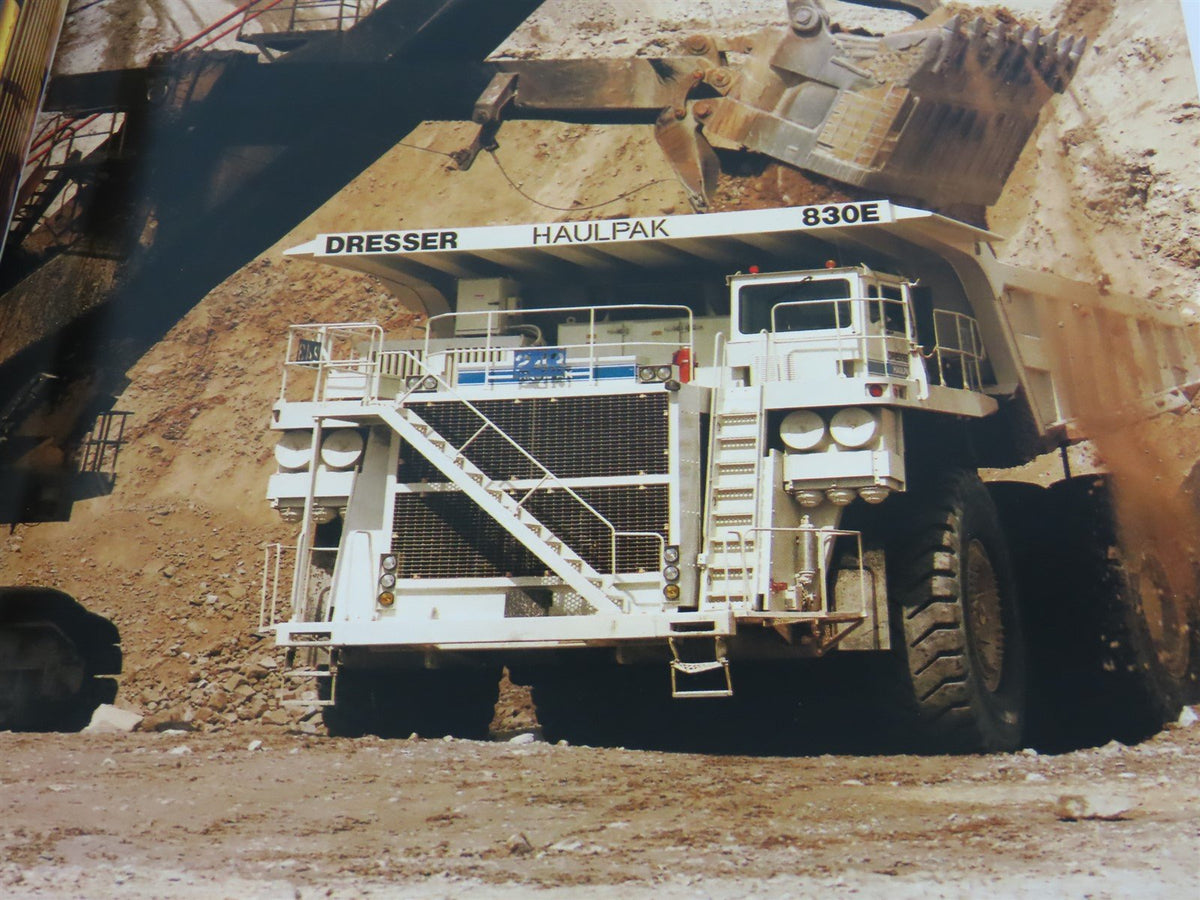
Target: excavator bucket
936,113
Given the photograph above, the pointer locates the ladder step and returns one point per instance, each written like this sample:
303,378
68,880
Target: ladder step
696,668
734,519
734,493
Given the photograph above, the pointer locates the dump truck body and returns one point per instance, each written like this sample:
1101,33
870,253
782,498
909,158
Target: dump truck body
698,480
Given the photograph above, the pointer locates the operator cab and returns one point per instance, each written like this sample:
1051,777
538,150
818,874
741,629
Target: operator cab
847,322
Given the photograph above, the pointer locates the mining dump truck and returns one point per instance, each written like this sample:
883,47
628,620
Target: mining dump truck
697,444
55,656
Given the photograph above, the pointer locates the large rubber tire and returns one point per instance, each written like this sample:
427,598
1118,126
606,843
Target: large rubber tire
1135,654
955,621
396,703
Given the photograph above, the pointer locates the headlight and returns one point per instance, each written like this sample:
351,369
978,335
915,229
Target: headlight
388,562
429,383
671,554
387,580
294,450
802,429
663,372
671,573
645,374
342,449
853,427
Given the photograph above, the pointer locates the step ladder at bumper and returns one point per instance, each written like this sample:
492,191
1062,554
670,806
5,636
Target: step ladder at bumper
692,668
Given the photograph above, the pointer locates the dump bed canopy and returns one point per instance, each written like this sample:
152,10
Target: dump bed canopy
428,261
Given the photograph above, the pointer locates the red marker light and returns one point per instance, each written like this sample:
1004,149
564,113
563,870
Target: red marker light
875,390
754,270
831,263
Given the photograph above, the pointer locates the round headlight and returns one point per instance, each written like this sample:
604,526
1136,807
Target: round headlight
645,373
388,562
323,515
840,496
430,383
294,450
671,554
671,573
342,449
853,427
663,373
387,580
412,381
810,498
802,429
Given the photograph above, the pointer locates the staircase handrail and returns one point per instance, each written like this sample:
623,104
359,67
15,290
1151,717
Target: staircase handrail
614,533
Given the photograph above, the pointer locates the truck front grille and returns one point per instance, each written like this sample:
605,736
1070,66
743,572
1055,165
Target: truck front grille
573,437
444,534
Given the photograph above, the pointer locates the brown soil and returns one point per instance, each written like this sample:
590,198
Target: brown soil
201,816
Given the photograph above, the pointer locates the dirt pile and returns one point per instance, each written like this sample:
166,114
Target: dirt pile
173,556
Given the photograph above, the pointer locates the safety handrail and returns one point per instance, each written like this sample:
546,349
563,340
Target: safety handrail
591,345
329,336
720,359
822,531
968,348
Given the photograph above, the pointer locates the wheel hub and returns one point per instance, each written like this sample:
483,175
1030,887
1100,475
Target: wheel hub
985,617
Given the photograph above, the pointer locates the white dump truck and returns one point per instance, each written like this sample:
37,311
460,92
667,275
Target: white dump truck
695,445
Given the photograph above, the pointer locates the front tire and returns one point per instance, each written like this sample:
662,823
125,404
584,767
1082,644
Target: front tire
955,621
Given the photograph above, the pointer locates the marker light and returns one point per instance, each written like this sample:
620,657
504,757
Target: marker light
671,592
875,390
386,599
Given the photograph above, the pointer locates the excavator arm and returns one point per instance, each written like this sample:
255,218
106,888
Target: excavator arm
936,113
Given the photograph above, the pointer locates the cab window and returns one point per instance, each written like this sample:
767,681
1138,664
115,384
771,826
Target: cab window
757,301
892,311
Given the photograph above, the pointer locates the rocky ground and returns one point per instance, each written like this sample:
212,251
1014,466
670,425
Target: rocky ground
174,557
264,814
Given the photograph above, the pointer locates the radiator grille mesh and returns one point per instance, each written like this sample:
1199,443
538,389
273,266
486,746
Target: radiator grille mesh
445,535
574,437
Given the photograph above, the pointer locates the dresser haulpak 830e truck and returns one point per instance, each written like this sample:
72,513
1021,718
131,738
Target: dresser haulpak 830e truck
608,452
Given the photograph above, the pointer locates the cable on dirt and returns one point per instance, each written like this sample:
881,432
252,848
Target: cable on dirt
516,187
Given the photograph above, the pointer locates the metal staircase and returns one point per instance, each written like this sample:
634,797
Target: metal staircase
734,468
509,512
